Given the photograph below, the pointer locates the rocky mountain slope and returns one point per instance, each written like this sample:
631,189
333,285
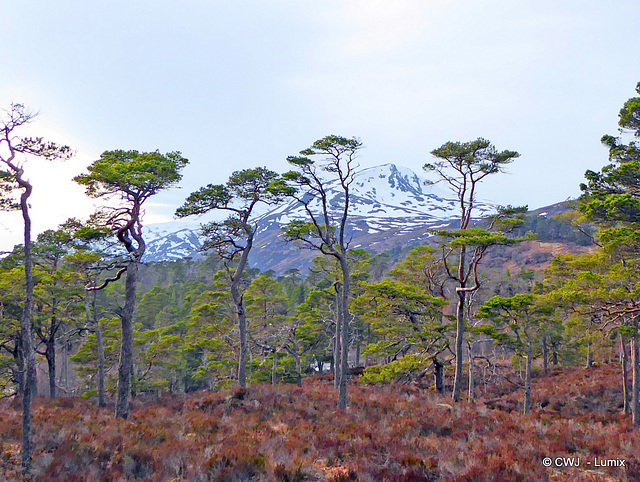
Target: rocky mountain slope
172,241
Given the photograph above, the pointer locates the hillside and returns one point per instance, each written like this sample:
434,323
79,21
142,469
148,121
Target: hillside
287,433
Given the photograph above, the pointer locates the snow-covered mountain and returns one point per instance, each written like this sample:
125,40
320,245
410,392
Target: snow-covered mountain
389,206
385,196
171,241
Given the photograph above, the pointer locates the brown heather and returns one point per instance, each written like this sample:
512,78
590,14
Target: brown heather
287,433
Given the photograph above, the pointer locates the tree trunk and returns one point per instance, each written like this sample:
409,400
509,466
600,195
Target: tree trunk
50,355
527,381
624,359
337,345
368,339
589,356
344,301
242,328
635,402
439,375
298,369
457,382
238,300
545,354
101,369
18,355
125,369
471,379
25,330
554,355
65,365
27,396
274,368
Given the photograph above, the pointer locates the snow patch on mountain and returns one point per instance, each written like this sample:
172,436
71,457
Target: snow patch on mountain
171,241
384,194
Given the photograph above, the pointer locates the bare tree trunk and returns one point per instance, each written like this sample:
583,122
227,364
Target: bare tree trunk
439,375
296,357
527,381
134,386
50,355
545,354
484,379
624,360
125,369
635,402
332,362
20,373
238,300
27,396
242,328
65,365
471,368
337,345
457,382
344,301
26,334
366,356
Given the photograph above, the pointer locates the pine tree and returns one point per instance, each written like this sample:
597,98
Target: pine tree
132,177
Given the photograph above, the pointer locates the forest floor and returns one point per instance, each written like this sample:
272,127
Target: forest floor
388,433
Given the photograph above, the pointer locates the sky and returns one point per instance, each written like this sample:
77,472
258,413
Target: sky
245,83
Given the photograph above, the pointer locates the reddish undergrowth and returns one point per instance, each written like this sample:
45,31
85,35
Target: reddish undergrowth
287,433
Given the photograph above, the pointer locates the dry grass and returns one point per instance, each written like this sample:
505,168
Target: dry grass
287,433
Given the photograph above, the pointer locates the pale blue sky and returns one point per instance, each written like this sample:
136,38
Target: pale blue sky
237,84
